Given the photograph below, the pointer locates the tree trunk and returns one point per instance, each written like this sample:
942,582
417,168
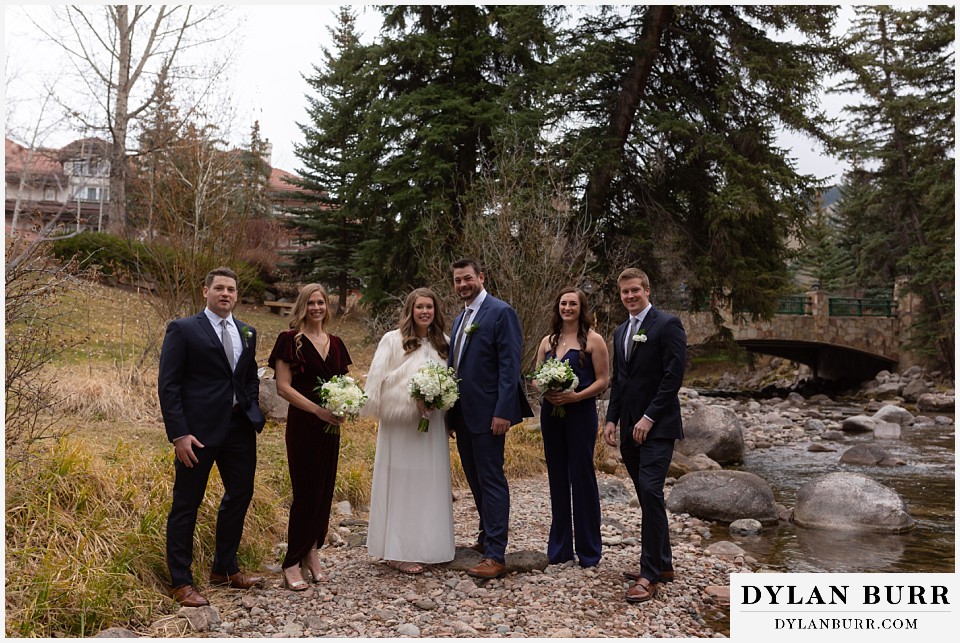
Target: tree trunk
624,111
342,286
118,126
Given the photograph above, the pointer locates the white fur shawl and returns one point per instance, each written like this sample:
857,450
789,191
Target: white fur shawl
388,382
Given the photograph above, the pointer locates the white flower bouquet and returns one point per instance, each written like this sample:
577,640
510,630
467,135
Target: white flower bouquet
342,396
555,375
435,385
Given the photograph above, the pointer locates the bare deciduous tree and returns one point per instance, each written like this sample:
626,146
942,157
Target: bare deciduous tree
37,317
199,213
520,225
120,52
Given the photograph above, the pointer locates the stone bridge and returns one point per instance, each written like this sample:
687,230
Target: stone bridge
839,338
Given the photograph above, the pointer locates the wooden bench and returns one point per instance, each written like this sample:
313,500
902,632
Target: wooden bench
282,308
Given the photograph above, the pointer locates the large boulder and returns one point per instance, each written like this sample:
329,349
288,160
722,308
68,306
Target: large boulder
866,454
724,496
895,414
272,405
914,389
853,502
937,402
888,390
715,431
858,424
680,465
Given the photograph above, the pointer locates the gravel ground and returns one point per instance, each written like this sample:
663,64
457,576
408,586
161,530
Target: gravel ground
364,598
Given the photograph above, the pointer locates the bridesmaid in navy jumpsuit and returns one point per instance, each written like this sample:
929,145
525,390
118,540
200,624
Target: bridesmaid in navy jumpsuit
569,440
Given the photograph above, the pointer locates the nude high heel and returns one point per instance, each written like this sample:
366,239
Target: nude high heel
294,586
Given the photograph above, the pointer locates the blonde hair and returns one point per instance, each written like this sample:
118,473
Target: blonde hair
298,318
634,273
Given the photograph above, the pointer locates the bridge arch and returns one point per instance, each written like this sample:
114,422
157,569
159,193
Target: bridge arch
838,338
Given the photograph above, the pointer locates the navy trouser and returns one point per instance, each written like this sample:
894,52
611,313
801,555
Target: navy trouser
568,445
481,455
236,460
647,465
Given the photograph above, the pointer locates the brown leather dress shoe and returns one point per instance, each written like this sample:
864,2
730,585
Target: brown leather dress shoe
666,576
643,591
188,596
477,547
236,581
487,568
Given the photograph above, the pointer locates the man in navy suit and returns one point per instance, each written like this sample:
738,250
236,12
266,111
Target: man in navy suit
486,353
649,353
209,393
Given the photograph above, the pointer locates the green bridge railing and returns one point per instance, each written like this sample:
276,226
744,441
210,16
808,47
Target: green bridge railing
844,307
794,306
837,307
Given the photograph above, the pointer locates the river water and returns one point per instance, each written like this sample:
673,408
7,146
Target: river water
926,482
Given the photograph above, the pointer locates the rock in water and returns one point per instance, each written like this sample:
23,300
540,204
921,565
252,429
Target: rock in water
851,501
725,496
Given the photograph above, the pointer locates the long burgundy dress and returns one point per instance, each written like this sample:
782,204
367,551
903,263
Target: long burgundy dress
312,453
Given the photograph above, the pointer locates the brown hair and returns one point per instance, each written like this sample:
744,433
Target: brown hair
222,271
583,321
408,331
467,262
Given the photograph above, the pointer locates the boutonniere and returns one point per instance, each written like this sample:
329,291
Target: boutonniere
641,336
471,329
246,334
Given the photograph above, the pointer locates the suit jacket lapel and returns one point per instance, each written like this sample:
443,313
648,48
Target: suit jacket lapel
456,324
618,341
244,342
475,320
207,328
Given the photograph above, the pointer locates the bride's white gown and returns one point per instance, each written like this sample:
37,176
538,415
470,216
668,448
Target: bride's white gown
411,504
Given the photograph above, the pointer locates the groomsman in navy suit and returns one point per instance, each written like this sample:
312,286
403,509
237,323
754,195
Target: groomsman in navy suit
649,352
486,354
209,392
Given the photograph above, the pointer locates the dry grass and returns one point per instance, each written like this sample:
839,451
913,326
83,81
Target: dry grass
86,514
86,532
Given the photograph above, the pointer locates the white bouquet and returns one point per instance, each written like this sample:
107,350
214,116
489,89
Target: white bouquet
554,375
436,386
342,396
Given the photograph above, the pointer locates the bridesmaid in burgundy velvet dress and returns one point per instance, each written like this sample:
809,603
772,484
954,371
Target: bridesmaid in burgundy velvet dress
301,355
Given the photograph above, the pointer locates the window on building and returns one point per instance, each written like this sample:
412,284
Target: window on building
88,167
83,193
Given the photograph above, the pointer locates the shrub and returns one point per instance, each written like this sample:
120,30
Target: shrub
109,255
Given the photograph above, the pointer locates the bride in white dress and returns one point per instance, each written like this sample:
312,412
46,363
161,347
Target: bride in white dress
411,504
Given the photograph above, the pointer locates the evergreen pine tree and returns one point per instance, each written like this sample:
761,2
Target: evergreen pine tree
677,110
335,216
902,134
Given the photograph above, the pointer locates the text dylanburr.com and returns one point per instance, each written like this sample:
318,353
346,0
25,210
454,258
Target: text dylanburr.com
857,607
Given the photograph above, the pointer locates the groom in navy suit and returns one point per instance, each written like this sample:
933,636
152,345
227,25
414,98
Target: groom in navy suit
486,354
209,392
649,353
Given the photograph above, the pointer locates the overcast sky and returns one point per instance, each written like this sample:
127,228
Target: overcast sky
275,47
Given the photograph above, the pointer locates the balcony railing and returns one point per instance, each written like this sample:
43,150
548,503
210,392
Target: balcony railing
843,307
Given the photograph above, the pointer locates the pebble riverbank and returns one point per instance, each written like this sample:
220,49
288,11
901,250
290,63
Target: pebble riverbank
364,598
